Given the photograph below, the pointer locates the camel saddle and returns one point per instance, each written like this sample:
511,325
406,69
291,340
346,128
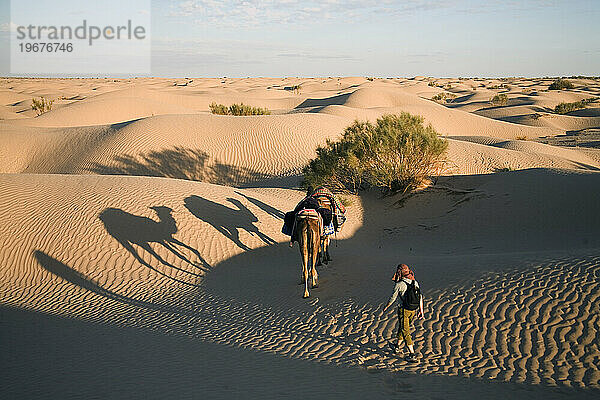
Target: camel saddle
308,213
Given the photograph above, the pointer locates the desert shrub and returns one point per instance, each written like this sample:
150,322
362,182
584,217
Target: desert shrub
219,109
396,154
443,97
237,109
370,79
499,100
504,169
346,201
521,138
42,105
560,84
564,108
295,88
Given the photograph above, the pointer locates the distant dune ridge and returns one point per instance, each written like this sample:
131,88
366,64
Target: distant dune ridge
142,255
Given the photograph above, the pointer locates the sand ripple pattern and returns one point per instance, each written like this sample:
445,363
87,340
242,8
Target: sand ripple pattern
538,326
536,323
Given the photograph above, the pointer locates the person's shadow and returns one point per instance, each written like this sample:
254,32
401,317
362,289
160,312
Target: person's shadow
227,221
130,230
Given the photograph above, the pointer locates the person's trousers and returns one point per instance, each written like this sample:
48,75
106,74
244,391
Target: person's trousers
405,318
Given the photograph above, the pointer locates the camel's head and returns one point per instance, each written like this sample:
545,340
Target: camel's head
162,210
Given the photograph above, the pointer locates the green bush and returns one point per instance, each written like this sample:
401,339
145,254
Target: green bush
42,105
499,100
237,109
443,97
397,154
219,109
560,84
564,108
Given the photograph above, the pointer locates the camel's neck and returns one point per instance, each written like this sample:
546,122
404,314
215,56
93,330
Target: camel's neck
166,219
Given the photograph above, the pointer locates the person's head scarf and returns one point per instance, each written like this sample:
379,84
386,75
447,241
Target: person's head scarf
402,271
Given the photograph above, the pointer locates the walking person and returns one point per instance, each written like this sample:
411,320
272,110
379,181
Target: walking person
410,306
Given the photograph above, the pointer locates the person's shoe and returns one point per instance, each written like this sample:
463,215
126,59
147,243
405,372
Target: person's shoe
412,358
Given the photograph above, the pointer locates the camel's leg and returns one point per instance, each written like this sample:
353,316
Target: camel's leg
315,241
130,248
320,253
303,242
265,238
326,245
193,250
175,251
324,249
181,256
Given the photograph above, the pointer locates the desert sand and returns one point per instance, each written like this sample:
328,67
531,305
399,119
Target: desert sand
141,250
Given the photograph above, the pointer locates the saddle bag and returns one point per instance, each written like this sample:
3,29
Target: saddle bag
288,223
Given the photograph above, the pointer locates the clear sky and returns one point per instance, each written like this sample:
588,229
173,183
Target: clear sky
198,38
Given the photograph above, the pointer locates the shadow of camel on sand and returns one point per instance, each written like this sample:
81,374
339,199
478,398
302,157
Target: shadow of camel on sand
130,230
272,211
228,221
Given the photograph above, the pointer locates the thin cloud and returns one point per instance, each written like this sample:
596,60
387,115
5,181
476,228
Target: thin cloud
310,56
267,12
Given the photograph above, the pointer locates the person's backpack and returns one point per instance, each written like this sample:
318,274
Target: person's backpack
412,297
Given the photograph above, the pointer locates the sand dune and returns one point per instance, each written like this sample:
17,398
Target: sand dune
105,111
248,295
220,149
118,265
480,154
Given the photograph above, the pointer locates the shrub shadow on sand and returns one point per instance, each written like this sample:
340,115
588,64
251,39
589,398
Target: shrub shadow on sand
189,164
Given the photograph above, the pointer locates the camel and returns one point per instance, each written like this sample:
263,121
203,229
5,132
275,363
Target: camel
308,228
324,256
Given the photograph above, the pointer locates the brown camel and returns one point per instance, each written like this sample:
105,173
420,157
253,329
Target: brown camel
308,230
324,256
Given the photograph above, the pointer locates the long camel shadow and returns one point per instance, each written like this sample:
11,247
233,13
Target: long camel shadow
76,278
228,221
130,230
